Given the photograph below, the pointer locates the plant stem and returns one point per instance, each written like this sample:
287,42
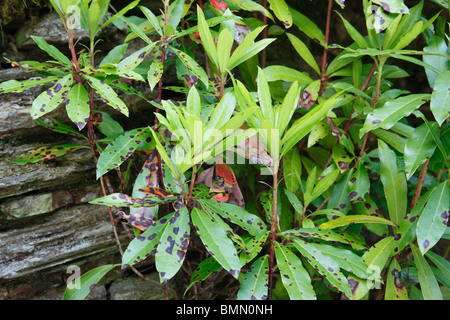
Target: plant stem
264,36
419,184
273,232
323,76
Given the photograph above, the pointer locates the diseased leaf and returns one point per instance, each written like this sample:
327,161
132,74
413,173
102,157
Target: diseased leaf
57,126
254,285
115,55
46,153
120,149
144,245
204,269
173,244
192,66
51,98
87,282
393,110
434,218
359,183
235,214
216,241
295,278
281,10
77,105
123,200
395,288
156,70
323,264
107,94
19,86
106,124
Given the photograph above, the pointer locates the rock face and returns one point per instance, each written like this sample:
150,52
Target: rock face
46,222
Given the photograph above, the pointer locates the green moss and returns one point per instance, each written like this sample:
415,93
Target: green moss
21,10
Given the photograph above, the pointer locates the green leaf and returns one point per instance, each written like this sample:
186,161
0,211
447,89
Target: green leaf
206,37
265,98
173,244
418,148
295,278
440,98
354,33
281,10
440,63
428,284
250,5
216,241
341,157
275,73
46,153
346,220
115,55
52,50
51,98
440,262
394,183
235,214
409,36
377,255
285,112
393,110
254,284
434,218
395,288
144,244
292,170
120,13
87,281
224,44
339,199
308,27
304,52
77,106
107,94
134,59
324,183
19,86
57,126
295,202
120,149
192,66
323,264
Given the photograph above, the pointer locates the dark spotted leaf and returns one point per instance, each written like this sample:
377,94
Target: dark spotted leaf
339,196
147,177
254,286
392,111
57,126
51,98
123,200
156,70
359,183
327,235
107,94
192,65
428,284
173,244
253,248
120,149
51,50
86,282
133,60
115,55
434,218
204,269
46,153
295,278
323,264
281,10
369,207
395,288
77,105
216,241
346,259
144,244
106,124
19,86
235,214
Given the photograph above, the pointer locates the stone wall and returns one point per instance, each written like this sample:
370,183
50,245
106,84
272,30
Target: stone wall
46,223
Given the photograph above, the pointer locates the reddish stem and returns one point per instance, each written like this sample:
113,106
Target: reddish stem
323,76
